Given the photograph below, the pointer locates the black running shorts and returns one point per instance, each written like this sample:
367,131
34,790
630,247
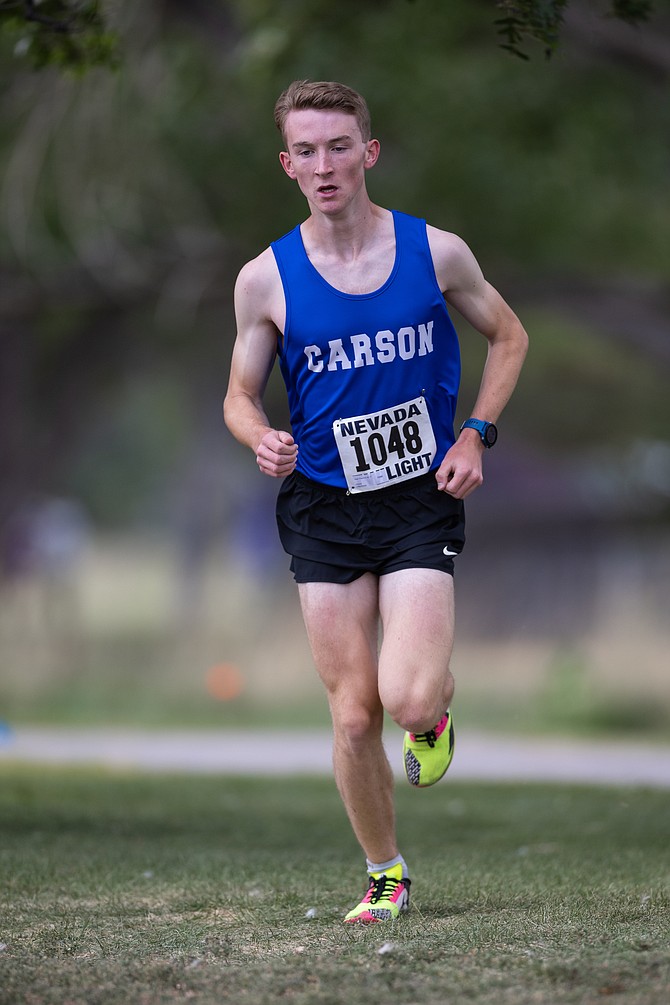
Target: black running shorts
334,537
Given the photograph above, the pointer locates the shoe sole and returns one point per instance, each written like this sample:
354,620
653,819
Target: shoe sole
375,921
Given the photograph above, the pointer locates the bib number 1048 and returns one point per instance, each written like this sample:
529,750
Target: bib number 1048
391,445
402,440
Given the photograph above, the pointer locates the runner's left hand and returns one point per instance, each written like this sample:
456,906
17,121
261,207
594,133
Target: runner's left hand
460,473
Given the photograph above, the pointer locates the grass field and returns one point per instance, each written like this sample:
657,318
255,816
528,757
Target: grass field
131,889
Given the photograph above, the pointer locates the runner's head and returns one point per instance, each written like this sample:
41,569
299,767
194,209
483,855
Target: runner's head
322,94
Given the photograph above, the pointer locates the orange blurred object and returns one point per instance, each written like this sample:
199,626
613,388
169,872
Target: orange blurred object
224,681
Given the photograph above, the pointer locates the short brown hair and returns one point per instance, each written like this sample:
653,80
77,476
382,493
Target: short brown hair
323,94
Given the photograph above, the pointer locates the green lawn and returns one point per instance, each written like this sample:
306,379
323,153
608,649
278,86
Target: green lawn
145,889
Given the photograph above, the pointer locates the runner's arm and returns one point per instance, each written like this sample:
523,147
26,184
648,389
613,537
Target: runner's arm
254,354
466,289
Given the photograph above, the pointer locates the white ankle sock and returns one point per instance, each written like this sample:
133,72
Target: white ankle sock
378,867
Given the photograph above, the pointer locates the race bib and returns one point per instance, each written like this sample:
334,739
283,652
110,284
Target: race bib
384,447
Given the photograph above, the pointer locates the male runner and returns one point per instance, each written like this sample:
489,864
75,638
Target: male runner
352,302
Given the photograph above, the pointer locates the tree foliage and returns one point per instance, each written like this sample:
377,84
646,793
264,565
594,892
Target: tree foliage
542,21
65,33
75,33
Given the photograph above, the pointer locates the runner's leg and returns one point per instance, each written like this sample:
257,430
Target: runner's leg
342,624
415,682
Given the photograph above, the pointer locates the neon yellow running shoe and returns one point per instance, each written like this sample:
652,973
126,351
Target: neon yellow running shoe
387,896
428,755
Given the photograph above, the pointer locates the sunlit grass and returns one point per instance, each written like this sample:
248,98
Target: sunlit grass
133,889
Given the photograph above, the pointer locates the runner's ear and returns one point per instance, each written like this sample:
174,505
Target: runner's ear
287,164
371,153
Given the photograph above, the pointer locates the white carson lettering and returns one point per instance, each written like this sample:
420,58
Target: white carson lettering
362,350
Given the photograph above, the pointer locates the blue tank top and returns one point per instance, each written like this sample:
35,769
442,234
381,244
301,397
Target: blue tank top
372,379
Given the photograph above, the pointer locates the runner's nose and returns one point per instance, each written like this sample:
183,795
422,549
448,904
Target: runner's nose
323,165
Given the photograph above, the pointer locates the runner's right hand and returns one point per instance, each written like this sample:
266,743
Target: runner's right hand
277,453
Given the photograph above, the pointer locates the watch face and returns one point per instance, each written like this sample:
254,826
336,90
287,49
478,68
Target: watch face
490,435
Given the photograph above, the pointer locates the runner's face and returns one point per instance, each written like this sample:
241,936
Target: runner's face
327,156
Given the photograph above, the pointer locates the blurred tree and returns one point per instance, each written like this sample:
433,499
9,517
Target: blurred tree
65,33
73,33
542,20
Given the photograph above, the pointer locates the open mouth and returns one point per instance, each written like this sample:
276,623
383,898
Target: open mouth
327,189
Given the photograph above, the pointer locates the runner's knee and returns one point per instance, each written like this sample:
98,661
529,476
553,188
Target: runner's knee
419,706
355,724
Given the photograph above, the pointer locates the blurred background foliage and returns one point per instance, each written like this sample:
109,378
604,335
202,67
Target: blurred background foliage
131,194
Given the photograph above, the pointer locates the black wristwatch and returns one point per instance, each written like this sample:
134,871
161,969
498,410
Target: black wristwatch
486,430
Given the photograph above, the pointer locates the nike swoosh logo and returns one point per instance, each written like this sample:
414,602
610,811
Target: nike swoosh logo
447,551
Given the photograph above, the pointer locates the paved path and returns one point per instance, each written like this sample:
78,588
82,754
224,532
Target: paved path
478,756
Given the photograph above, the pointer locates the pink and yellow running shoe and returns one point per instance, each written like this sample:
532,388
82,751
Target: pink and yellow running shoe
428,755
387,896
